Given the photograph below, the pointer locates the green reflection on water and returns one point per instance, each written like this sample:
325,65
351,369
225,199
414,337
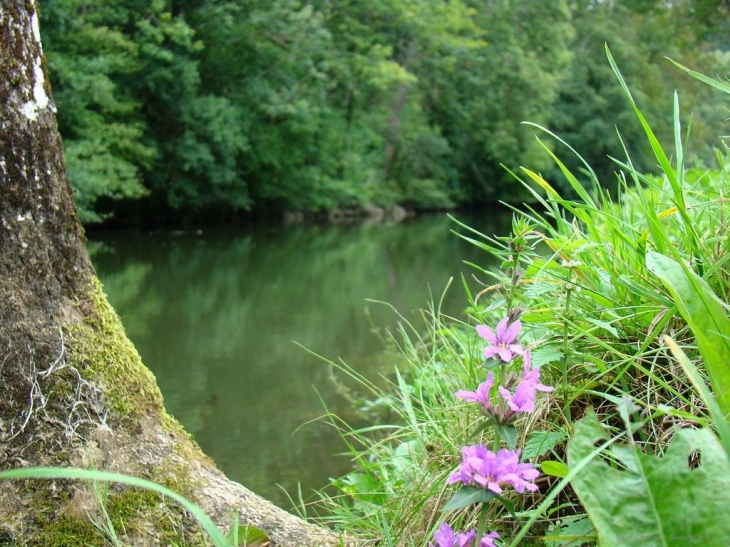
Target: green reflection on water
215,315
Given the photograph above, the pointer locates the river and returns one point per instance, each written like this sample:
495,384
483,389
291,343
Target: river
220,316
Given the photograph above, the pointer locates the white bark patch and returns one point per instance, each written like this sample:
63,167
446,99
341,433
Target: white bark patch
40,99
36,29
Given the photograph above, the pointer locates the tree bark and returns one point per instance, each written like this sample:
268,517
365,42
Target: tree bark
73,391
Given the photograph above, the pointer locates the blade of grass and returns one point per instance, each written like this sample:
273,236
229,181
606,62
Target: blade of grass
67,473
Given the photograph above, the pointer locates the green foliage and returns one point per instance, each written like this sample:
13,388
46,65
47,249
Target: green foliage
705,314
247,536
598,296
211,106
199,135
591,107
636,499
481,103
100,120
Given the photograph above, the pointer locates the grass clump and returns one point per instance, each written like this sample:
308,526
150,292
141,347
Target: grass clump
621,302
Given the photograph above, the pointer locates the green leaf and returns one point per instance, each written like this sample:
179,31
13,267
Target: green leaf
546,354
508,433
507,505
723,428
722,86
554,469
249,536
468,495
574,531
603,325
541,442
647,501
705,314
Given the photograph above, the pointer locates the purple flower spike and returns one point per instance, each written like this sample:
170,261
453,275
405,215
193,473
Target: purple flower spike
523,399
445,537
483,468
502,342
488,540
481,395
466,538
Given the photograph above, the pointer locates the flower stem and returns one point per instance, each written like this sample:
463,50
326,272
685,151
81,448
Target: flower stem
514,279
568,293
482,524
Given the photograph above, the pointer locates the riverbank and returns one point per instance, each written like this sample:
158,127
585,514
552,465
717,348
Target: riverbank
605,341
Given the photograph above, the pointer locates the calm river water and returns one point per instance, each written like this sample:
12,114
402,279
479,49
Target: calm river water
216,313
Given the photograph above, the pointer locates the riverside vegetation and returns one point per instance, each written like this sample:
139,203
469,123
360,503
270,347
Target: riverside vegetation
622,306
610,319
199,109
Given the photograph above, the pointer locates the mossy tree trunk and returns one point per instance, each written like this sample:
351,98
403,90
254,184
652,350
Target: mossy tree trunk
73,391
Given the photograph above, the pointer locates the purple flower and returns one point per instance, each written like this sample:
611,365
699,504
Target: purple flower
523,399
445,537
481,395
502,342
488,540
485,469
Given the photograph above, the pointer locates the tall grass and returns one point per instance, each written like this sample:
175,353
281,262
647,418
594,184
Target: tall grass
610,332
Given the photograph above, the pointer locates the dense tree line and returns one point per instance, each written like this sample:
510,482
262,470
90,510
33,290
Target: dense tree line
181,107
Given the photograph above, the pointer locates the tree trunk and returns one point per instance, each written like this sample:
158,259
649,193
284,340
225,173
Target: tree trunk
74,391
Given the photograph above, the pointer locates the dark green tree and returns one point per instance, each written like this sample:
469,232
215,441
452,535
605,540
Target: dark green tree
592,110
101,121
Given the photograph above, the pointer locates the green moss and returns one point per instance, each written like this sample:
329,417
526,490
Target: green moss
135,510
100,350
134,507
132,503
65,531
6,539
104,354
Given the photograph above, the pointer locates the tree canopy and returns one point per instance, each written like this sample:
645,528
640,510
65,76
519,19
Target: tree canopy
218,106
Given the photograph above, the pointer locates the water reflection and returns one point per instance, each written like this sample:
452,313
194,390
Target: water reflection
215,315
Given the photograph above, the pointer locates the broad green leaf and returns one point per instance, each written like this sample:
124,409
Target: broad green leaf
468,495
643,500
508,433
554,469
705,314
546,354
541,442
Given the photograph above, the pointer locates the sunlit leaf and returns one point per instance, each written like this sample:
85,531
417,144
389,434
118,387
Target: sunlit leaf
554,469
250,536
